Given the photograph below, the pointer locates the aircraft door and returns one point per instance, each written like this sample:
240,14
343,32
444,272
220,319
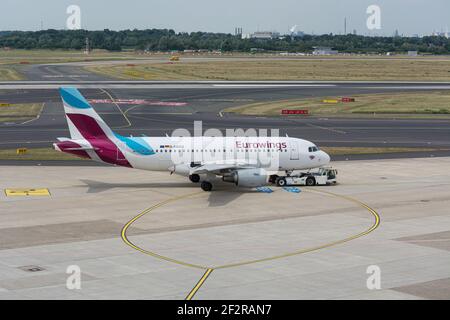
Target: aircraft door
293,145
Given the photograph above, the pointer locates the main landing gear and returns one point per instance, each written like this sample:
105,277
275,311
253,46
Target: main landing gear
206,186
195,178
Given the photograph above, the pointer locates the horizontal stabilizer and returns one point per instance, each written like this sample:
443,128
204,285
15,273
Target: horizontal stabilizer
81,149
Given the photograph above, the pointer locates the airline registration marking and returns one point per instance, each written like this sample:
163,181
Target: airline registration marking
27,192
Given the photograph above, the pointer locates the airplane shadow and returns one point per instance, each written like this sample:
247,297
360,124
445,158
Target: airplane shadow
223,195
99,186
227,194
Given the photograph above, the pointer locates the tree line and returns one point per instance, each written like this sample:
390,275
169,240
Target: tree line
167,40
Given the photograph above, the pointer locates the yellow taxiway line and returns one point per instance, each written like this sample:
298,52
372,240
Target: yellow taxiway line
118,107
150,253
199,284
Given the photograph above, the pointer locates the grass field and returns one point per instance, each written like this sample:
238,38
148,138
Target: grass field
42,154
414,105
247,67
55,56
19,112
36,154
157,71
332,69
9,73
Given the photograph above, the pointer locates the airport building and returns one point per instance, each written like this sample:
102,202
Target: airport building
323,51
298,34
441,34
262,35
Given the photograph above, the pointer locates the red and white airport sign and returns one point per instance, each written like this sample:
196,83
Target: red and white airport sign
295,111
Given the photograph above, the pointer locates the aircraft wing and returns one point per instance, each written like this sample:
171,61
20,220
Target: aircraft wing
222,167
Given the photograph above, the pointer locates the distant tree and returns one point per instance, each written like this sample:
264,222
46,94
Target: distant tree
166,39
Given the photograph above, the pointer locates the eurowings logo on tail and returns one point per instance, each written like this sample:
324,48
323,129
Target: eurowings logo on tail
91,137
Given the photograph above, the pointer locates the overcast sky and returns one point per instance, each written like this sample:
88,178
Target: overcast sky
313,16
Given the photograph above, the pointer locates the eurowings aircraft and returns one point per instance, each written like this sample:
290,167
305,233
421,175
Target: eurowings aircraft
244,161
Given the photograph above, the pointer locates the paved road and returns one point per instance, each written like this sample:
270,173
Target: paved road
57,72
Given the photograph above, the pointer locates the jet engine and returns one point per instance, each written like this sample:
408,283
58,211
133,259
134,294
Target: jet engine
181,169
247,178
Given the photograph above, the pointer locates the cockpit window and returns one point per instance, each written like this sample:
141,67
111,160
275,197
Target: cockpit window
313,149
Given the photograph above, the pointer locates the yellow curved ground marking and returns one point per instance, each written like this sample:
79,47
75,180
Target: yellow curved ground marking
375,225
209,270
199,284
118,107
150,253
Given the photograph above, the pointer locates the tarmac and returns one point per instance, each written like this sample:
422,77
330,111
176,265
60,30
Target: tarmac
150,235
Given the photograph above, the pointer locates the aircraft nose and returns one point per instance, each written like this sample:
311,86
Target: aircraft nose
326,158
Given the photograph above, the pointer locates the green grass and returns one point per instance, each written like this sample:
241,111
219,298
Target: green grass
57,56
36,154
155,71
8,73
413,105
331,69
20,112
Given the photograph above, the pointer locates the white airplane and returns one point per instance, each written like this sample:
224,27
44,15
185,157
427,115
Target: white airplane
245,161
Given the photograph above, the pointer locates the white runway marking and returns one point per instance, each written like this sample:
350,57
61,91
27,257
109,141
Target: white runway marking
271,85
433,87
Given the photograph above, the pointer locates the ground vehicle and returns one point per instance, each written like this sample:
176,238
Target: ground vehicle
174,58
321,176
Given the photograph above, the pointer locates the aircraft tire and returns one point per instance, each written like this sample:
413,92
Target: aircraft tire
206,186
195,178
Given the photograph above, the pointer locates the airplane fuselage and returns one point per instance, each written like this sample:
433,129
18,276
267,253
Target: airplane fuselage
167,153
